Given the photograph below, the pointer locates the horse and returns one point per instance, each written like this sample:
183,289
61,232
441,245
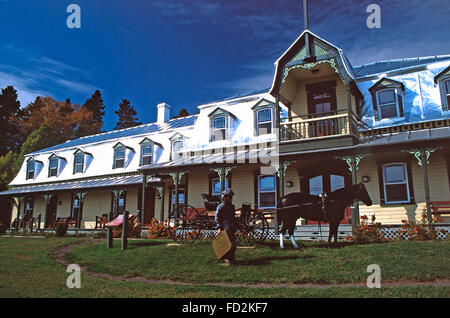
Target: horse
329,208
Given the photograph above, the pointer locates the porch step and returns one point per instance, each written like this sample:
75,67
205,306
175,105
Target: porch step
316,233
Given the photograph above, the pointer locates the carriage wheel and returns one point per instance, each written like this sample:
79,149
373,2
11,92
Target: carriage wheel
253,229
186,224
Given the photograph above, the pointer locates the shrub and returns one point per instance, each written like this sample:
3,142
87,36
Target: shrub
134,229
422,231
368,231
159,229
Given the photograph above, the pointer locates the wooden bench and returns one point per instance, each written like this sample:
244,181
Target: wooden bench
440,207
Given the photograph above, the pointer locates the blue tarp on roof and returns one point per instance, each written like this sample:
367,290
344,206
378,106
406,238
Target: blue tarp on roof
123,133
391,65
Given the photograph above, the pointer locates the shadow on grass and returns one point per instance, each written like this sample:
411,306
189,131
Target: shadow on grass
145,244
269,259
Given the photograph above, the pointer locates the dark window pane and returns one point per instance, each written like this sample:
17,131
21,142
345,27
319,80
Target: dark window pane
388,111
387,97
147,150
217,186
267,199
119,163
147,160
447,86
219,134
265,128
396,193
119,153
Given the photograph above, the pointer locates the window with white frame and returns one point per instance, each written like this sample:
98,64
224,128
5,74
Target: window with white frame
76,206
267,193
177,145
146,153
388,103
78,164
180,198
264,121
31,168
395,183
29,203
119,157
219,128
53,166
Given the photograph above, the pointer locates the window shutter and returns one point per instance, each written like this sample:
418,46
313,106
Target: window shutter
400,104
375,106
410,183
255,187
443,95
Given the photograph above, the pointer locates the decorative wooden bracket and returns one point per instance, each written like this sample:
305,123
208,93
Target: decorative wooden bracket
348,160
418,154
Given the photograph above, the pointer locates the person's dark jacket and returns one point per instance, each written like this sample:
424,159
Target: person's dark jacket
225,217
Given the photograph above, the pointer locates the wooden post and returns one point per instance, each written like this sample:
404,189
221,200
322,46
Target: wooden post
125,230
222,179
349,110
19,199
355,207
144,188
109,233
161,212
81,198
177,199
423,159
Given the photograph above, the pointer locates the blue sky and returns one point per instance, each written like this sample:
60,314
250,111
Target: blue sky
189,52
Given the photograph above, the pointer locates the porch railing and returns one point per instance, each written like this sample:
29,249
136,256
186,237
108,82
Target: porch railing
312,126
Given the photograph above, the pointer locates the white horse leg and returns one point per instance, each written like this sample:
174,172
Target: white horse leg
281,240
293,241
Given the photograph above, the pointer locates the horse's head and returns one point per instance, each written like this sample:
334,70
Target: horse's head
362,194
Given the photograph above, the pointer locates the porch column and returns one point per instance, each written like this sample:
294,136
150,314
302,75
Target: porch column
81,197
355,206
423,159
222,179
109,233
161,211
144,186
349,109
422,156
19,205
177,199
47,198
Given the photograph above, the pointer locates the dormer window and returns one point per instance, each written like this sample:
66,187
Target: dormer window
53,164
119,156
31,167
264,113
78,162
219,128
387,99
443,80
146,152
220,124
176,144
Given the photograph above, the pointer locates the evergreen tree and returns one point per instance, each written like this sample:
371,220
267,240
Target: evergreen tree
92,124
127,115
9,129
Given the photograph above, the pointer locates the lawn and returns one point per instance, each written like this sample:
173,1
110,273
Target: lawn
418,261
28,269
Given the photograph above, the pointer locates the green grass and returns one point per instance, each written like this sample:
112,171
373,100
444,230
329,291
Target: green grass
418,261
27,269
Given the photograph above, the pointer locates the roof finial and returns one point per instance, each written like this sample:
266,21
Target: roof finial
305,14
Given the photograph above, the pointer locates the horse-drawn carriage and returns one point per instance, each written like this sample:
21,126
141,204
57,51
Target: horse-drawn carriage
191,223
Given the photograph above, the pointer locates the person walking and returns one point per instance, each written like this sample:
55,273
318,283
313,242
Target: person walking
226,220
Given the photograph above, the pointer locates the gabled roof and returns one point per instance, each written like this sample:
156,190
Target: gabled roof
289,56
445,72
386,82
